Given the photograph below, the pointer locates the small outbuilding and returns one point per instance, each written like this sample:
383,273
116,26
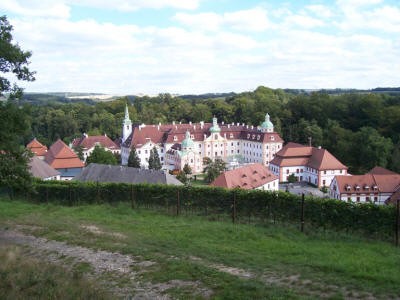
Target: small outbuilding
253,176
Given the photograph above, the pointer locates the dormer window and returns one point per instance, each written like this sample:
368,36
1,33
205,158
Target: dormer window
175,138
244,175
272,138
366,187
357,187
347,187
375,187
231,135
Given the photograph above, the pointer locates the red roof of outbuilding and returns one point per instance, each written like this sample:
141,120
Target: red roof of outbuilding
248,177
37,148
293,154
88,142
381,171
60,156
387,183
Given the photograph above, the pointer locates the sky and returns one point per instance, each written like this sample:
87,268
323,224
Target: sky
199,46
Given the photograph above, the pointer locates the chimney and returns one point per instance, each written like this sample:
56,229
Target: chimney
238,124
229,125
222,123
173,122
194,127
225,135
190,122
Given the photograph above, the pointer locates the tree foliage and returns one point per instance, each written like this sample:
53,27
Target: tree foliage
133,159
12,60
14,120
213,169
154,159
332,121
101,156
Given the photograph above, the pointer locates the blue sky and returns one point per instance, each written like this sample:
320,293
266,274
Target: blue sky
198,46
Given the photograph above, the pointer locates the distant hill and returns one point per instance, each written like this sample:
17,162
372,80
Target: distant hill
93,98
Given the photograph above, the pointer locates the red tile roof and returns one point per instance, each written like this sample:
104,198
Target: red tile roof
37,148
175,133
293,154
248,177
88,142
384,183
381,171
60,156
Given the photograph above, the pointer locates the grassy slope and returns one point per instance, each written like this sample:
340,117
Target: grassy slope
344,261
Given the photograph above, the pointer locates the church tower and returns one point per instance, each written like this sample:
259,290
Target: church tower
126,125
267,125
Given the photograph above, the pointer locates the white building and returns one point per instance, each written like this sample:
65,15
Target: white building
247,144
308,164
378,186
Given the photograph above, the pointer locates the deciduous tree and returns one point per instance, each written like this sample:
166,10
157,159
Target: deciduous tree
15,121
101,156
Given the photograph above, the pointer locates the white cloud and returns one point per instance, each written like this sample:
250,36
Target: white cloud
255,19
354,4
204,21
209,51
36,8
320,11
303,21
132,5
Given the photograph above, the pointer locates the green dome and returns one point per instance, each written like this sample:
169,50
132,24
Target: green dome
187,142
267,124
215,128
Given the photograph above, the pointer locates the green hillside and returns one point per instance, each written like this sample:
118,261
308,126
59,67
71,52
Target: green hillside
193,257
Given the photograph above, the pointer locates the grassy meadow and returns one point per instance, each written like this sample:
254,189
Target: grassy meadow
232,261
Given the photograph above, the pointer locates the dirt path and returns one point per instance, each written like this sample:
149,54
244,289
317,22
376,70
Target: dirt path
116,272
119,273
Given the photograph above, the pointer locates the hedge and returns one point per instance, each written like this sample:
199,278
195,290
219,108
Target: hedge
239,205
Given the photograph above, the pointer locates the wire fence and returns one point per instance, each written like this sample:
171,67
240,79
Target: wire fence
238,206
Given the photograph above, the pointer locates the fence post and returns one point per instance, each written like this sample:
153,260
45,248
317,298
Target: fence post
132,198
302,214
178,204
397,221
234,208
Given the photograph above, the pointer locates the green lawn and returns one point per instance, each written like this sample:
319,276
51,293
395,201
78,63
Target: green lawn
283,262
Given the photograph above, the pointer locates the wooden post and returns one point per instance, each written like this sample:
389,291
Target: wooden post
132,198
397,221
234,208
178,204
302,214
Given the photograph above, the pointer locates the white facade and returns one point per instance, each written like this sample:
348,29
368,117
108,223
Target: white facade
270,186
228,142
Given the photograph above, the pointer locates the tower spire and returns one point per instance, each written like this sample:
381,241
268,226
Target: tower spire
126,125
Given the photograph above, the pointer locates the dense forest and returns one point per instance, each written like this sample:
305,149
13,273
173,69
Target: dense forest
361,129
